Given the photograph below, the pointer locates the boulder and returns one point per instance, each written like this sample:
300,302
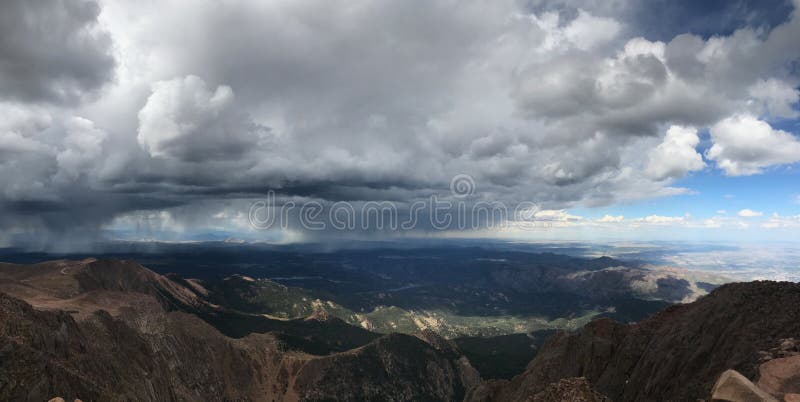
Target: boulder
780,376
734,387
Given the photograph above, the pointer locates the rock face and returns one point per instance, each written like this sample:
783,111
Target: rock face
676,355
115,331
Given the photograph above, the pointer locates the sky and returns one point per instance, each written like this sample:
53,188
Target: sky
588,120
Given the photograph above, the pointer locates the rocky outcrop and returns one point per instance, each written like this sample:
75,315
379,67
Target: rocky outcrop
786,348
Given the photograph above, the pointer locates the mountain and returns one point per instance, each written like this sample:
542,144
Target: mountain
114,330
676,355
384,292
456,289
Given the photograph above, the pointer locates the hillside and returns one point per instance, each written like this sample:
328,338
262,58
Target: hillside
676,355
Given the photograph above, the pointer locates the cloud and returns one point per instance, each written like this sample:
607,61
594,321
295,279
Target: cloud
744,145
748,213
777,221
83,146
497,92
777,97
588,31
561,104
609,218
26,156
556,216
676,155
661,220
52,51
685,222
183,119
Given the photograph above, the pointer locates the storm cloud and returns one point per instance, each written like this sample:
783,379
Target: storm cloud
186,110
52,50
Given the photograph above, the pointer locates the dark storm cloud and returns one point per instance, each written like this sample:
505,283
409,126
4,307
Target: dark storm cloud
52,50
72,219
212,104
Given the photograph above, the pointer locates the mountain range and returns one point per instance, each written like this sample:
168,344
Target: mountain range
101,329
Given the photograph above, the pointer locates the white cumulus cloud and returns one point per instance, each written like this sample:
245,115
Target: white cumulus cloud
676,155
749,213
744,145
610,219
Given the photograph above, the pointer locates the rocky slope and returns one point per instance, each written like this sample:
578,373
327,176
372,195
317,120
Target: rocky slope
676,355
111,330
